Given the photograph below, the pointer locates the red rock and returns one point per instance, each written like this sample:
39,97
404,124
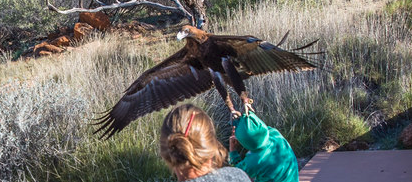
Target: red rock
44,47
406,136
61,41
53,49
45,53
81,30
97,20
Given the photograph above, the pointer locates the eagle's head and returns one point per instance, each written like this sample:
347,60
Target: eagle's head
188,31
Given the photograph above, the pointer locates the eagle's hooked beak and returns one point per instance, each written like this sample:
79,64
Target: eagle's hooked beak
181,35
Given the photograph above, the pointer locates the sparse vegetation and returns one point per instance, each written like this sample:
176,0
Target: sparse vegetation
45,103
30,15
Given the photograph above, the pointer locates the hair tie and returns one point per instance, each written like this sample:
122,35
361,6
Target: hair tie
190,123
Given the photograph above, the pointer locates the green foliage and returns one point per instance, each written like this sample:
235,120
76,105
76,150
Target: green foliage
220,8
307,128
31,15
401,8
342,124
389,140
406,98
399,5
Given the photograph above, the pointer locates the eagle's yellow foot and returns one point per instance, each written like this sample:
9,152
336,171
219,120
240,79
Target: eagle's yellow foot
248,106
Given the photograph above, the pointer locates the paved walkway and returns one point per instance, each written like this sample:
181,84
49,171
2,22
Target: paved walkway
359,166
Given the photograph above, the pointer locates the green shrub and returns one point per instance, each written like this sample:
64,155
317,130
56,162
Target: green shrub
342,124
220,8
308,127
32,15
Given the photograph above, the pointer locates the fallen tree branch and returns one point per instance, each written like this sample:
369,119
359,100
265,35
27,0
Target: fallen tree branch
178,9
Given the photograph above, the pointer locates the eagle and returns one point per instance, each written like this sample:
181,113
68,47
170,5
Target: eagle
206,61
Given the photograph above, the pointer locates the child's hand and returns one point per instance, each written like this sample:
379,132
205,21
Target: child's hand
232,143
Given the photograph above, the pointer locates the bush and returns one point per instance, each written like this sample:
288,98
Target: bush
220,7
40,125
31,15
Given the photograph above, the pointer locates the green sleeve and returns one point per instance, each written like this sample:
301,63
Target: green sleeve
251,132
234,158
270,157
236,161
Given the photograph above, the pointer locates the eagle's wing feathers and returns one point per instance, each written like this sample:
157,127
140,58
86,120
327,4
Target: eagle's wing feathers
185,74
154,90
253,56
146,77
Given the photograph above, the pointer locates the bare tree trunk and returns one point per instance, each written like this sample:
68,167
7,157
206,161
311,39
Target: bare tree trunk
198,10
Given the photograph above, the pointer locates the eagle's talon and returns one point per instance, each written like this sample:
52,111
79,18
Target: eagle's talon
248,107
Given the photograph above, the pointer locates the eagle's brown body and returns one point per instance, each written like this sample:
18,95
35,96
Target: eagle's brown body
207,60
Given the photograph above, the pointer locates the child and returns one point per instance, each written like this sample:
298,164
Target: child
270,157
189,146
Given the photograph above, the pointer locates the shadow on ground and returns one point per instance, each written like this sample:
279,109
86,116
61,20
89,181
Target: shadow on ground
384,136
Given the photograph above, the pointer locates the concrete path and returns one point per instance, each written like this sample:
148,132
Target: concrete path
359,166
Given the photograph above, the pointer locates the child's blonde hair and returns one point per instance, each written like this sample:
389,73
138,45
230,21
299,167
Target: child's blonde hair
198,147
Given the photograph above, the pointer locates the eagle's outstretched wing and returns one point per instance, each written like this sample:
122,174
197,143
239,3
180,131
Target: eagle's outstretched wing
189,72
253,56
173,80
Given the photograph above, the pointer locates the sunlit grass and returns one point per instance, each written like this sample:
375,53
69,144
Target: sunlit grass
367,69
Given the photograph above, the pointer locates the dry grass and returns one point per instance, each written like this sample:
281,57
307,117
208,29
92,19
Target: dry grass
97,73
365,48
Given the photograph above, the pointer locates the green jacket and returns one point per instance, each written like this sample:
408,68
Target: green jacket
270,157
